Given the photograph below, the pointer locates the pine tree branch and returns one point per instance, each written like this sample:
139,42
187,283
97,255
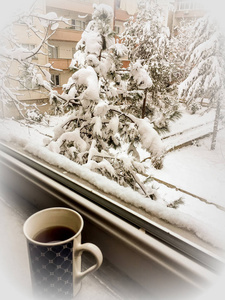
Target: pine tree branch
144,103
122,114
139,183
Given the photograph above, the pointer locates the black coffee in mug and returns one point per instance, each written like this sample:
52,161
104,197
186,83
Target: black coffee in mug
54,234
55,249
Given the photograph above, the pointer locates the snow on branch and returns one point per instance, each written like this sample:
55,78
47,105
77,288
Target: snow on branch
207,63
14,55
98,132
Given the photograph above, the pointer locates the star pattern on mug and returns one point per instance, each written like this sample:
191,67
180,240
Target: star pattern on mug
52,270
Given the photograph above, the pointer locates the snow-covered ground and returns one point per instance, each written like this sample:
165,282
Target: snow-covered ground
194,169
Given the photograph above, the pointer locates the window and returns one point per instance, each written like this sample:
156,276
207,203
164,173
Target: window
44,187
25,80
55,78
30,48
117,29
98,198
78,25
53,51
118,3
188,5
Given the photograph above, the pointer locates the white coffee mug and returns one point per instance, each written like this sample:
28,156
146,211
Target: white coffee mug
54,249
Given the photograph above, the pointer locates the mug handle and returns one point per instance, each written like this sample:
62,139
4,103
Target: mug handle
95,251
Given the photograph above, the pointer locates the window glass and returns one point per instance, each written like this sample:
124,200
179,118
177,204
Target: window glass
55,79
117,29
123,130
53,52
25,81
78,25
31,49
118,3
188,5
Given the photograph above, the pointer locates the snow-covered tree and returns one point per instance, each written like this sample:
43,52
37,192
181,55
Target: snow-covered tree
139,84
96,132
206,81
19,66
147,40
206,58
180,41
97,48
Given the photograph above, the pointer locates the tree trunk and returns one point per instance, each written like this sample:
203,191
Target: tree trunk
216,124
144,104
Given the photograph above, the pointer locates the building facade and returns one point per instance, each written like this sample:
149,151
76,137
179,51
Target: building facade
187,10
62,44
79,13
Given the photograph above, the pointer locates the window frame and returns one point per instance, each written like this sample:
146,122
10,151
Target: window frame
78,25
121,240
30,47
53,51
55,79
117,29
185,247
185,5
25,83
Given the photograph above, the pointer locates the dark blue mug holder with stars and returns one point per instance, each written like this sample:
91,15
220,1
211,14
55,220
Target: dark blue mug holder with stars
52,270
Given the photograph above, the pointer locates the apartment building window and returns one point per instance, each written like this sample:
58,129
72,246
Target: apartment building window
30,48
25,82
118,3
117,29
78,25
188,5
53,52
55,78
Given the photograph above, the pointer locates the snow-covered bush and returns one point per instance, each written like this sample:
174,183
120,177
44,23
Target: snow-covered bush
96,132
33,114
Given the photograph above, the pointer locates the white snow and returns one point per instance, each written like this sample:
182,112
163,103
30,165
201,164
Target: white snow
102,9
97,128
92,41
141,76
74,137
120,49
149,137
195,169
106,64
101,108
113,125
48,19
78,59
88,78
